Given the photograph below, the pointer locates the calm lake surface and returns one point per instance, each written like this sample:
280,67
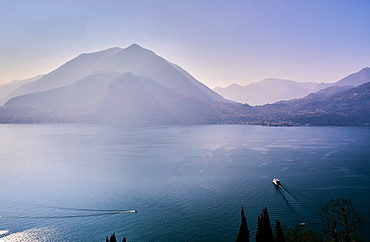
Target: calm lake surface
72,182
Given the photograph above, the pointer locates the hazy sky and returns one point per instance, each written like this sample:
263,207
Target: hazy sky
218,42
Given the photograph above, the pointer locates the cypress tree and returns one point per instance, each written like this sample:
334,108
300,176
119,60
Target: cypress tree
113,238
279,232
264,231
243,235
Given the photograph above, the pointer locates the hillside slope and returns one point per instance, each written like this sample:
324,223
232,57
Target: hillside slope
118,97
134,59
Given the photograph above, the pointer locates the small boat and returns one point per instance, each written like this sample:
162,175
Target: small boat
276,182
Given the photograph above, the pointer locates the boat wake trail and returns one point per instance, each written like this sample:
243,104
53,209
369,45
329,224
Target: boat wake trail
89,210
97,212
294,204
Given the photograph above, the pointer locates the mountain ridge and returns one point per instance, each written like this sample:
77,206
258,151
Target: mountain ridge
117,97
134,85
348,106
134,59
355,79
7,88
271,90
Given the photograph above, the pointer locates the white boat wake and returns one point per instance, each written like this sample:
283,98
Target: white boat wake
293,203
97,212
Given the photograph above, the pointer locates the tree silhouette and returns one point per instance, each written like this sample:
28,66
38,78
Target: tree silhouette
340,220
113,238
264,231
243,235
279,232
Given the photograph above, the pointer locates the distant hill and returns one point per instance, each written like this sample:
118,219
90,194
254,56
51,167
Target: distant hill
349,106
7,88
269,90
355,79
272,90
134,85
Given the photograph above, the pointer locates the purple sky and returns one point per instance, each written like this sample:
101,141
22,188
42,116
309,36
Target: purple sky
218,42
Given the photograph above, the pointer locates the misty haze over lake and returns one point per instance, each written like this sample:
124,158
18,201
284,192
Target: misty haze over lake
113,107
186,182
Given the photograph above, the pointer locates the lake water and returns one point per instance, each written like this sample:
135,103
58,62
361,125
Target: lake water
73,182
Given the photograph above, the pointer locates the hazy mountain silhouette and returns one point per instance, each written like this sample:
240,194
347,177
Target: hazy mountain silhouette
8,88
269,90
355,79
70,72
118,97
326,92
272,90
341,86
134,85
333,106
134,59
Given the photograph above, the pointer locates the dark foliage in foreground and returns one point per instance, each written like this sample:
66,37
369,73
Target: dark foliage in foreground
114,239
339,218
243,235
279,232
264,230
302,235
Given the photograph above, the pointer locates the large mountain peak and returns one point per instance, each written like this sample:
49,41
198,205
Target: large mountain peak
135,49
135,53
134,59
135,46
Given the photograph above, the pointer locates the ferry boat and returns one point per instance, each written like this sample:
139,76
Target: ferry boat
276,182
